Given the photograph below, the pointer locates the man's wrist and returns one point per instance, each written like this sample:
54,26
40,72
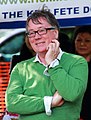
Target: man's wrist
48,65
47,104
53,63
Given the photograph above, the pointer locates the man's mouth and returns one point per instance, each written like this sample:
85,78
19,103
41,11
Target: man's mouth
40,43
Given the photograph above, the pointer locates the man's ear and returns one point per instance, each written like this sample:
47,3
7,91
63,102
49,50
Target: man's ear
56,34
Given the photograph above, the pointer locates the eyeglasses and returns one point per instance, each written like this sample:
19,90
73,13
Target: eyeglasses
41,31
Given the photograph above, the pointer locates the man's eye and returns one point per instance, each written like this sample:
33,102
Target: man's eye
31,33
41,30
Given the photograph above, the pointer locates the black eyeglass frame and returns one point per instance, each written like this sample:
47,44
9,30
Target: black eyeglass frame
38,31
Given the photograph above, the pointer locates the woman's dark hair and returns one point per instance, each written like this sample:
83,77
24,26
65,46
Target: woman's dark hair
65,42
80,29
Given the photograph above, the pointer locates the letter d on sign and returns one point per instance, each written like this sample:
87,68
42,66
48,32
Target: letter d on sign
86,9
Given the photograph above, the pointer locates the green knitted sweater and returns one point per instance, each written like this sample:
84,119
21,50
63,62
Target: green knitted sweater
28,86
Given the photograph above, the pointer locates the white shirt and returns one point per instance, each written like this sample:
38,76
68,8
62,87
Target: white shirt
48,99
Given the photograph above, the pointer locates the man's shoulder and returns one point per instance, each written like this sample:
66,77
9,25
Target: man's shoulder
25,62
72,57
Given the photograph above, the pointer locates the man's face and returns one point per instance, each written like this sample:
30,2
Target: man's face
83,44
39,42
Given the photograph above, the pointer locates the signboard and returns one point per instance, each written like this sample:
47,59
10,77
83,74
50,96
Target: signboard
13,13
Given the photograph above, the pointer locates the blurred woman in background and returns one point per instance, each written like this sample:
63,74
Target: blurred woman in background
82,46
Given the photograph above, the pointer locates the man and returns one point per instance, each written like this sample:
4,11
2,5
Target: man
51,85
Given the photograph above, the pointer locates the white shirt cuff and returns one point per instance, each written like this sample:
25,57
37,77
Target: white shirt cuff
53,64
47,104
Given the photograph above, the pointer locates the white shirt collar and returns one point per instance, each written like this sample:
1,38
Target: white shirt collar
58,57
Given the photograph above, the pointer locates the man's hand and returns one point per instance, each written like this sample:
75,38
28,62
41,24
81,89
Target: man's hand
57,100
53,51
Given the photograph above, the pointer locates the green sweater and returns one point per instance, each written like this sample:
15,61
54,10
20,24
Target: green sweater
28,86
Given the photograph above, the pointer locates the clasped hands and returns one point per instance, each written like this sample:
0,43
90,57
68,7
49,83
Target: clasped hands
57,100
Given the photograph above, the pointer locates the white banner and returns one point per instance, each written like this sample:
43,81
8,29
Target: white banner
19,10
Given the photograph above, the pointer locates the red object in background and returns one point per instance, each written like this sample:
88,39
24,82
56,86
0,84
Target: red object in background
4,78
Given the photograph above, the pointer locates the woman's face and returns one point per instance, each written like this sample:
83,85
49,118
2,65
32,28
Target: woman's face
83,44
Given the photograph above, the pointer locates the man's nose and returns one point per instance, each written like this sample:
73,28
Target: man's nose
37,35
